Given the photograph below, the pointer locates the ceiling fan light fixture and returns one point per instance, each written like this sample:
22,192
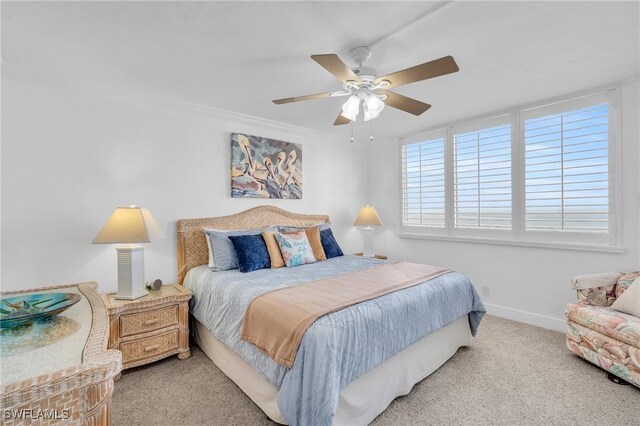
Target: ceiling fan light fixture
351,108
368,115
374,103
372,106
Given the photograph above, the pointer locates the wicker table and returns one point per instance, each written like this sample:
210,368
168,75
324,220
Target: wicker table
150,328
59,371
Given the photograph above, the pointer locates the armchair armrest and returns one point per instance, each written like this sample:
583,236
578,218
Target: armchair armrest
596,289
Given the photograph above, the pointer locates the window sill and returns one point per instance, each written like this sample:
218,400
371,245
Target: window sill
517,243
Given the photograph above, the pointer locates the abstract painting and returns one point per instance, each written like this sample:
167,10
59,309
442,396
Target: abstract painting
265,168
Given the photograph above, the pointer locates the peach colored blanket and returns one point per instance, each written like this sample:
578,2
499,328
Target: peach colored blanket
276,321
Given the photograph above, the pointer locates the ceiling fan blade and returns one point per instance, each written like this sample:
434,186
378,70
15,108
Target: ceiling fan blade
335,66
341,120
412,106
435,68
302,98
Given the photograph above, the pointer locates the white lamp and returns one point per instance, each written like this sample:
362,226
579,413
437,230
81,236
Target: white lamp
368,217
130,225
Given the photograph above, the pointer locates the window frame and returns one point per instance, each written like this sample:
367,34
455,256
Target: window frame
518,235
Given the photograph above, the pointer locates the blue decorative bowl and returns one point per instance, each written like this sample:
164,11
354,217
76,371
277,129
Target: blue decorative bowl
22,310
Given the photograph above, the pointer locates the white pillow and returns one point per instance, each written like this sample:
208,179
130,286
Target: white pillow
629,301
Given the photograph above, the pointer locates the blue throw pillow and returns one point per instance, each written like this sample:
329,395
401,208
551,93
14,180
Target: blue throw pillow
222,255
251,251
329,244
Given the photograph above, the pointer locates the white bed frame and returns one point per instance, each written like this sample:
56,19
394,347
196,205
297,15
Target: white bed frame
360,401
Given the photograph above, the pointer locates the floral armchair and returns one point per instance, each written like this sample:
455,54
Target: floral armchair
603,336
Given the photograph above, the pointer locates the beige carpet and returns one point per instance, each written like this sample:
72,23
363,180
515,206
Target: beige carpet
514,374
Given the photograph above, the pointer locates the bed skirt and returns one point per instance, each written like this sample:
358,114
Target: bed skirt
359,403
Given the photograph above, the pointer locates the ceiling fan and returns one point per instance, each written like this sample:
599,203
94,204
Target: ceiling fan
363,86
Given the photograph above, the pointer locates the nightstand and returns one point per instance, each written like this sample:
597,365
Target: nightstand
377,256
153,327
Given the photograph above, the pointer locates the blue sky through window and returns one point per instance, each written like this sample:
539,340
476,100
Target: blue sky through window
423,183
567,170
482,188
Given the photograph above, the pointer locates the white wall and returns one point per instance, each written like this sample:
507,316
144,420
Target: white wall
526,284
71,153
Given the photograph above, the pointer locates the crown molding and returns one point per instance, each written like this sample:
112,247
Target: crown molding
13,70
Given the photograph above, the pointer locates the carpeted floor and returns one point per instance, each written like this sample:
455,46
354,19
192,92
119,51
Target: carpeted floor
515,374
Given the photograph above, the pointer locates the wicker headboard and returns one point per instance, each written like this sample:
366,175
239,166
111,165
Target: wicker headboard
192,244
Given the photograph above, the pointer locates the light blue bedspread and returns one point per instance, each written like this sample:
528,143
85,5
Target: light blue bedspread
338,347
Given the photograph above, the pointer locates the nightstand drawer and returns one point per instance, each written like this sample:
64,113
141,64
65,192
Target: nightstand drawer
148,347
142,322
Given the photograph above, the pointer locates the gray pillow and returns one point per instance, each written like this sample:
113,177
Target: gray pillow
323,226
223,255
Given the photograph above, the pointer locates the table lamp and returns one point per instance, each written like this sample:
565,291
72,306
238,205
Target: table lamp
368,217
130,226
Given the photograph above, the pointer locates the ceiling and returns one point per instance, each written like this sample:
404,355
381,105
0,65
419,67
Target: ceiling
239,56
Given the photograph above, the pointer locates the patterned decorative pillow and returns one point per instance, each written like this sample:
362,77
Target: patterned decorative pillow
295,248
313,235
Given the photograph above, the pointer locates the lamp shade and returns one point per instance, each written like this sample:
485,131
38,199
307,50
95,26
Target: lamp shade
368,216
372,107
129,225
351,108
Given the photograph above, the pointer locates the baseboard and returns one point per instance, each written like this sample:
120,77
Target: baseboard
544,321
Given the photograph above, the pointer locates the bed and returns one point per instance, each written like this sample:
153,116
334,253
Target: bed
351,363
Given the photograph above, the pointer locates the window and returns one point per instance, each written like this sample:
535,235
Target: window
539,175
567,170
482,178
423,187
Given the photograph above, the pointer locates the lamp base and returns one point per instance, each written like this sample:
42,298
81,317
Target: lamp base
368,242
131,273
119,296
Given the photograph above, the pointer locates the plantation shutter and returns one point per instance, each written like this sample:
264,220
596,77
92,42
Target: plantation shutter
423,183
567,170
482,178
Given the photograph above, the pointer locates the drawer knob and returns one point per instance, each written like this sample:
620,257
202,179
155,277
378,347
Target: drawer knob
151,348
151,321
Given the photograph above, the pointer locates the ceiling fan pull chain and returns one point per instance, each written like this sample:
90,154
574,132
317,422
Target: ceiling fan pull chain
351,131
371,131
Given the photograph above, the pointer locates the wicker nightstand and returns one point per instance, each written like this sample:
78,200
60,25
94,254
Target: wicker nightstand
150,328
377,256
